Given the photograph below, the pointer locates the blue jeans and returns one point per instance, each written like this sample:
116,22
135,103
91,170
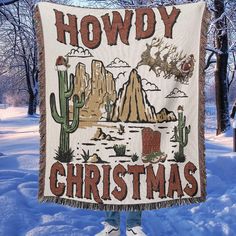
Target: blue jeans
133,218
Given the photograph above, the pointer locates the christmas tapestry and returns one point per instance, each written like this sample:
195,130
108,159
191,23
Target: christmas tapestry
122,106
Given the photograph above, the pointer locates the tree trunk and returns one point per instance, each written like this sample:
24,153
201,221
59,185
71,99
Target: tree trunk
221,80
35,102
31,104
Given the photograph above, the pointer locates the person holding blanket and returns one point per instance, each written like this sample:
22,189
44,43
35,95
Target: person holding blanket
233,124
233,112
112,224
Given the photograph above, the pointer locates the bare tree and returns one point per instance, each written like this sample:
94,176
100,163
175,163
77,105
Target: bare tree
222,50
18,48
19,51
221,82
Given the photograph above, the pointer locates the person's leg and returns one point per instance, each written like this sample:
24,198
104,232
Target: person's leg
133,224
133,218
113,218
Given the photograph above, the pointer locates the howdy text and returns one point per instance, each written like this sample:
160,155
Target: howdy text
91,31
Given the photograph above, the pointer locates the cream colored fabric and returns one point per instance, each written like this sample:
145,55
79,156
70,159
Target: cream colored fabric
136,143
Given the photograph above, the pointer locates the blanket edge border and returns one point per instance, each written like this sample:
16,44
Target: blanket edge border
129,207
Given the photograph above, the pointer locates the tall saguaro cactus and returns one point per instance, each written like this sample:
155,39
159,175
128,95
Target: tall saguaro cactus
181,133
65,93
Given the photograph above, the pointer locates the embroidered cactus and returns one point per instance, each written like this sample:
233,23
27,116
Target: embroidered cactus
65,94
119,149
181,133
108,108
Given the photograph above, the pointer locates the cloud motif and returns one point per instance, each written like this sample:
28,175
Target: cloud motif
79,52
148,86
176,93
118,63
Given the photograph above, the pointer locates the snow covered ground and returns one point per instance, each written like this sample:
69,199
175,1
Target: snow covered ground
21,214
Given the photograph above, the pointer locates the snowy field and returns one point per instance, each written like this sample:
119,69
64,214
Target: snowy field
21,214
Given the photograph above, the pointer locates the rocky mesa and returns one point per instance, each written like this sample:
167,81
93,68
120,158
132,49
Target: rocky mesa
165,116
98,88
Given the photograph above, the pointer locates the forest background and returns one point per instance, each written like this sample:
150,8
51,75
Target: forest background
19,67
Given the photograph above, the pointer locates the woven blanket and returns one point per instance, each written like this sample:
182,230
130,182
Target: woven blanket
122,106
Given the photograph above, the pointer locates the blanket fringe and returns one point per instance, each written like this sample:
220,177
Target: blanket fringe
128,207
201,110
42,102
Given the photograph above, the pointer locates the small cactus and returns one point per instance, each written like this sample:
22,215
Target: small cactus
85,155
119,149
181,133
134,157
108,108
64,156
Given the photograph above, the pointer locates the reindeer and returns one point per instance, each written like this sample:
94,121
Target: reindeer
171,63
165,66
158,60
172,68
147,59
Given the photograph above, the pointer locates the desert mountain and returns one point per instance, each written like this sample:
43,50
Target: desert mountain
98,89
165,116
132,104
